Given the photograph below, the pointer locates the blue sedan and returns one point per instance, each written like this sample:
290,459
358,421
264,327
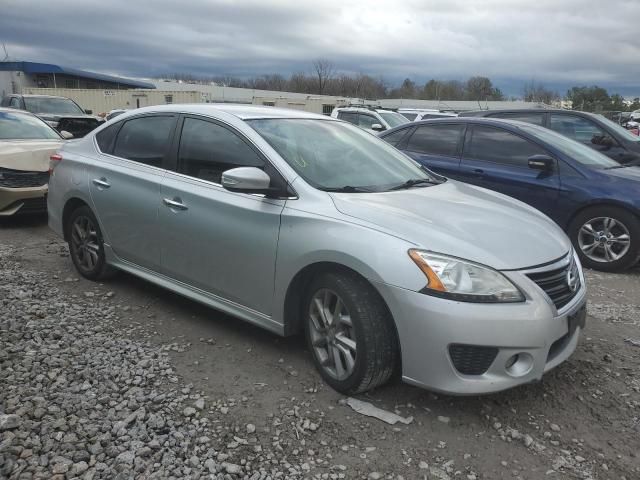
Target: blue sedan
593,198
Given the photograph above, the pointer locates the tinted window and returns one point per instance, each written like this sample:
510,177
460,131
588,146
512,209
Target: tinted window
575,127
351,117
409,116
436,139
500,146
395,137
366,121
535,118
208,149
145,140
106,137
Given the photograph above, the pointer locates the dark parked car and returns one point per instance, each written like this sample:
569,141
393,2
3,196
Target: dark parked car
59,112
595,131
596,200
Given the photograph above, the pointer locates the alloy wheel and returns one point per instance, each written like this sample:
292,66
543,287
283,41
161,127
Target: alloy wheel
332,335
86,246
604,239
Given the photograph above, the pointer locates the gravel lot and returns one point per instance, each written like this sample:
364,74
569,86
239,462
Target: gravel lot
125,380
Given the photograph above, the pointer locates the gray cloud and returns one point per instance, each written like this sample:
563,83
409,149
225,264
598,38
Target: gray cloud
573,42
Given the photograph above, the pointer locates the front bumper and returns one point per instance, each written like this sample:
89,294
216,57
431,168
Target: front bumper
22,200
541,336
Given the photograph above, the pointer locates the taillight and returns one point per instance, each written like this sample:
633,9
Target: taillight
54,160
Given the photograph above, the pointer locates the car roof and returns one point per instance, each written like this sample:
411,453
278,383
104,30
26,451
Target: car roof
498,122
524,110
364,109
43,96
241,111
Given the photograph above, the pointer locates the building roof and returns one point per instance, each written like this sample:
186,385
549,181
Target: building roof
33,67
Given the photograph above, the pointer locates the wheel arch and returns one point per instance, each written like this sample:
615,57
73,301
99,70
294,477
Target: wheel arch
608,203
70,206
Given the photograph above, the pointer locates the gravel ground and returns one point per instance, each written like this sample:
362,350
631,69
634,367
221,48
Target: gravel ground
125,380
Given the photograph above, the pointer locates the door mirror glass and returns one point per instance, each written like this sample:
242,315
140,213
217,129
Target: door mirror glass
88,112
377,127
246,180
66,135
541,162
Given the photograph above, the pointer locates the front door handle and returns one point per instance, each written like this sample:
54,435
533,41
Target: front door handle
101,182
175,203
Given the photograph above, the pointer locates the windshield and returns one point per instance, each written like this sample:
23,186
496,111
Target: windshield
333,155
623,132
393,119
51,105
21,126
577,151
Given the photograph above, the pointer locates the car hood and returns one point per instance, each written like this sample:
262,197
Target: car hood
463,221
76,116
27,155
625,173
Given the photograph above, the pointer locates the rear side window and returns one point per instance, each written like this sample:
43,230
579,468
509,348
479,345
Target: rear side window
500,146
395,137
208,149
106,137
145,140
575,127
351,117
535,118
436,140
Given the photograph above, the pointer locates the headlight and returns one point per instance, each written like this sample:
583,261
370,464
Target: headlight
52,123
465,281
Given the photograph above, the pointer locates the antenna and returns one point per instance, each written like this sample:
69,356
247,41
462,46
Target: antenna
6,54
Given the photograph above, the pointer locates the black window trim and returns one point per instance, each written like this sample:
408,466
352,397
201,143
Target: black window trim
459,145
467,139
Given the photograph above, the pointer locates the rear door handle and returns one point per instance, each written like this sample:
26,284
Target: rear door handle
101,182
175,203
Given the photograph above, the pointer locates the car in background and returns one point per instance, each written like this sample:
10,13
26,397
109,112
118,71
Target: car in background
417,114
593,198
592,130
26,143
299,222
371,119
59,112
115,112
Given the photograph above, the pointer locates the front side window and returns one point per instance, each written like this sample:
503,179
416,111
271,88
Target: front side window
393,119
500,146
409,116
367,121
332,155
24,126
145,139
59,106
351,117
208,149
574,127
436,140
528,117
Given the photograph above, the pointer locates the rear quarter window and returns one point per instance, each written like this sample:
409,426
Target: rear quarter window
105,138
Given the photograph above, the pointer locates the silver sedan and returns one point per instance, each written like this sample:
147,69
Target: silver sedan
300,222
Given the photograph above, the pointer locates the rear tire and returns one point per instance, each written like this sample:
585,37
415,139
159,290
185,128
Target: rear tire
350,333
86,245
606,238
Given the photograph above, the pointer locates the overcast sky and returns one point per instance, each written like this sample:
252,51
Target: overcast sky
557,42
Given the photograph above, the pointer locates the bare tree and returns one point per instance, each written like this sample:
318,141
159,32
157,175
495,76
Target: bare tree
537,92
324,70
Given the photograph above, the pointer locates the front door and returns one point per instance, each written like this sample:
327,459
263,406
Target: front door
498,159
215,240
125,186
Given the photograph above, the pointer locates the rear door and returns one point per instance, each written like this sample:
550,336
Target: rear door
219,241
498,159
437,147
125,185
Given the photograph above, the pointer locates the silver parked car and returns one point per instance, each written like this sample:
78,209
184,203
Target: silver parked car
300,222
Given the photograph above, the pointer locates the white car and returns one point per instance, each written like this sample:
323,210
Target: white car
372,119
417,114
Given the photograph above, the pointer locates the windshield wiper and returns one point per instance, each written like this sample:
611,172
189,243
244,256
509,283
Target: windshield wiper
413,182
346,189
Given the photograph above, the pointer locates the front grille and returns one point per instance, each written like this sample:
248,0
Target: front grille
78,127
21,179
472,359
556,283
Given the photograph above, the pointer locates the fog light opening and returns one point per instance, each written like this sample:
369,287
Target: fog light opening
519,364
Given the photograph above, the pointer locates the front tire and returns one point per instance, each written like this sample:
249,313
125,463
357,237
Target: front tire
606,238
350,333
86,245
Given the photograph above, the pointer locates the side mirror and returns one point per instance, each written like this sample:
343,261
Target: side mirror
541,162
377,127
88,112
246,180
66,135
